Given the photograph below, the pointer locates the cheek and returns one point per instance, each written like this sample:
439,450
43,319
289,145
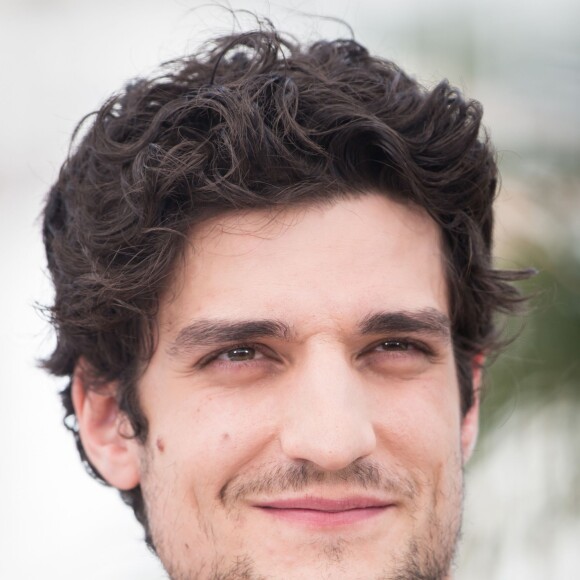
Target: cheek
420,424
208,438
193,451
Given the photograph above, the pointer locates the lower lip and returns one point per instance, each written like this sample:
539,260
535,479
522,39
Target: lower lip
324,518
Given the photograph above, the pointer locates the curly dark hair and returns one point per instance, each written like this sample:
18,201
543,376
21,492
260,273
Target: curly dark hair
256,120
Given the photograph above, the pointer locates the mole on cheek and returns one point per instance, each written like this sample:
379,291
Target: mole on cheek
225,437
160,444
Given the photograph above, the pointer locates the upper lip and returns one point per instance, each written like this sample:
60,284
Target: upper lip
325,504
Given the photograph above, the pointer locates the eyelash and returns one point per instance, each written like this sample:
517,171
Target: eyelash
207,360
411,344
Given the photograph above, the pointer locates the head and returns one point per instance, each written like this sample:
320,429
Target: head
274,295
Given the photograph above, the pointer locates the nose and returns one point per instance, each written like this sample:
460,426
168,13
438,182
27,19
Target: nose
327,417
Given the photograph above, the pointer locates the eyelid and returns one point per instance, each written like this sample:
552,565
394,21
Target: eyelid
212,356
416,343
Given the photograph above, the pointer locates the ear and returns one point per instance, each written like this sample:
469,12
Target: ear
470,423
105,431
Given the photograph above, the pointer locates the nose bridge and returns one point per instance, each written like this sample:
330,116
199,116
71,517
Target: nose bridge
327,417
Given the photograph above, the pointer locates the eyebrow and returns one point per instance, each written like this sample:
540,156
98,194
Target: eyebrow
216,332
427,320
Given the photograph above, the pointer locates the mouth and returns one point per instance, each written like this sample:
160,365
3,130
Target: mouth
324,512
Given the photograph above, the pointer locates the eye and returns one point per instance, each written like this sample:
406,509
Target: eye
239,354
401,349
395,346
238,357
399,357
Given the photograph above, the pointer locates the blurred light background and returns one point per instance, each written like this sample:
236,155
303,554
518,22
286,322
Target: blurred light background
59,59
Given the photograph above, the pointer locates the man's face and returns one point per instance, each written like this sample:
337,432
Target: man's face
303,401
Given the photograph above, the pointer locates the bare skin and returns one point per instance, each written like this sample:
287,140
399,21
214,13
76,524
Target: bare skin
302,400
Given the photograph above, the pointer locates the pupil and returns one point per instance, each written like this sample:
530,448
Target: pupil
395,345
240,354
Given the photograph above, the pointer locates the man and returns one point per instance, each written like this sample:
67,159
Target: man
274,297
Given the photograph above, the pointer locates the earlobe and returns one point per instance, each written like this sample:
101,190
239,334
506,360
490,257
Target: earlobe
470,422
105,432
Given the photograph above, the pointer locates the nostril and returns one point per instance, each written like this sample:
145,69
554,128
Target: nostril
327,417
330,448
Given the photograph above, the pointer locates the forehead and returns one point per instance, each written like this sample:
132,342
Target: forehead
330,261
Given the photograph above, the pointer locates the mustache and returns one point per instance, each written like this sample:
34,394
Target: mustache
278,479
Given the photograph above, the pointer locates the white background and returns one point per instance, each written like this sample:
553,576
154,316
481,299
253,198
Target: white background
59,59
